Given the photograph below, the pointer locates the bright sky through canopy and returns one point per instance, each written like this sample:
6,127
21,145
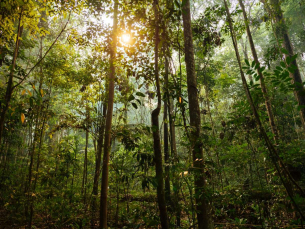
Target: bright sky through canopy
126,38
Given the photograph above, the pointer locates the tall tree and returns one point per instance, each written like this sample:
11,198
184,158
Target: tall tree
282,33
85,172
202,205
98,157
260,74
155,127
107,142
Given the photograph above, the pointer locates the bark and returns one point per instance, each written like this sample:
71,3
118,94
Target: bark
2,55
107,143
276,160
174,155
202,205
98,158
282,32
260,74
155,128
85,172
166,148
245,51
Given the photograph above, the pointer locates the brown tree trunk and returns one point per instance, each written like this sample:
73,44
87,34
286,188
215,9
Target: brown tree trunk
299,92
261,77
107,142
98,161
174,155
155,129
166,148
214,132
202,205
85,172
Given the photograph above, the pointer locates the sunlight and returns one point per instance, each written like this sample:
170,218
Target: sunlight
126,38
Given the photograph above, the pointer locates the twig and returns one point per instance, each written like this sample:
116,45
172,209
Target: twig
20,82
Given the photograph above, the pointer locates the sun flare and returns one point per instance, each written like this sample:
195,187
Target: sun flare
126,38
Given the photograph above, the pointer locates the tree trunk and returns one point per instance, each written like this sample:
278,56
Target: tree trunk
174,155
202,205
166,149
98,159
155,129
105,172
299,92
85,172
261,77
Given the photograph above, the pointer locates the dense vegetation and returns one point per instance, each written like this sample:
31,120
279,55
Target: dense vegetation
152,114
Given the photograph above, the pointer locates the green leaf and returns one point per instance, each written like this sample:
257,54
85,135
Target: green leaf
139,101
21,3
247,62
131,97
253,64
301,107
134,105
262,69
276,72
290,69
284,51
288,60
140,94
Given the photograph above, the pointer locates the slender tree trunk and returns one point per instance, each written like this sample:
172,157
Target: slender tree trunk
166,148
9,88
155,128
98,159
105,172
85,172
202,205
2,55
261,77
174,155
30,188
214,133
282,32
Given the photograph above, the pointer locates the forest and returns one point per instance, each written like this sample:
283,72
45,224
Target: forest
152,114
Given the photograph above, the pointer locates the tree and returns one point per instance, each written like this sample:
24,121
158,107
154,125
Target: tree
203,211
261,77
107,142
281,32
155,128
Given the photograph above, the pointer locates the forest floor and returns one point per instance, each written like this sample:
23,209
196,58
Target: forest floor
240,219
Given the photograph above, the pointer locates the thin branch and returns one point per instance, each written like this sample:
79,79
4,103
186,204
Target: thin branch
63,29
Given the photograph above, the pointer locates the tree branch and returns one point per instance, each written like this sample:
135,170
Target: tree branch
63,29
